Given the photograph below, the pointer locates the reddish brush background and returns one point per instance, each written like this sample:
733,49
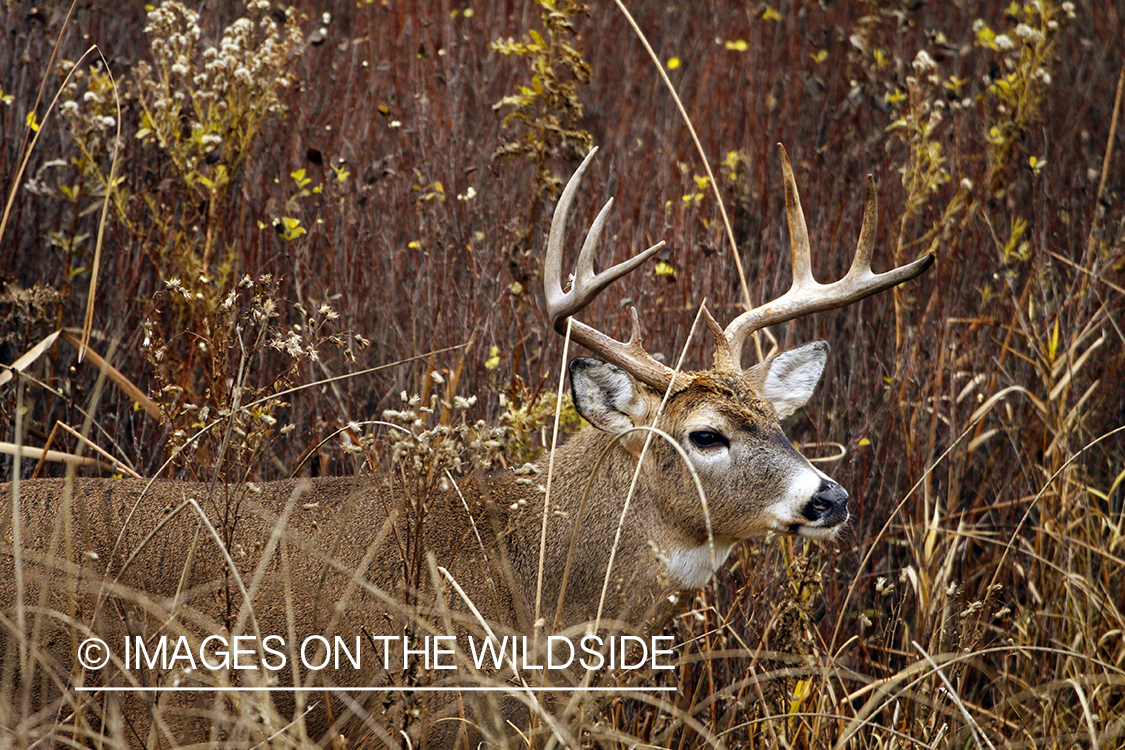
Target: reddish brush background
988,551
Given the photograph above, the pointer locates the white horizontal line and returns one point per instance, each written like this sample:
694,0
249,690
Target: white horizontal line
390,689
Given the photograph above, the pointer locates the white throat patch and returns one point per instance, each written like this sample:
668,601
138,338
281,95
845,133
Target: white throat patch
693,567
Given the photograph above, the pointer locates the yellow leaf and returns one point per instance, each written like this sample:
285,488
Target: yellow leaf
32,122
664,269
800,692
493,360
954,84
770,14
673,63
864,442
289,228
820,56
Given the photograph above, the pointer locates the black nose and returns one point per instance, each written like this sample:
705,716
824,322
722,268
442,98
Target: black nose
829,504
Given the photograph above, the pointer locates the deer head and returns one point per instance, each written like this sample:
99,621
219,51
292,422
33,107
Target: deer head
726,419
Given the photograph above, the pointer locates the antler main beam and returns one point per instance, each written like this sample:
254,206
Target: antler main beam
629,356
806,295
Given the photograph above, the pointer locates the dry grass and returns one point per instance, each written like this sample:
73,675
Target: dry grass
975,599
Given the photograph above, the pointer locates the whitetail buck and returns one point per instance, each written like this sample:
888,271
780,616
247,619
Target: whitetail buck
350,557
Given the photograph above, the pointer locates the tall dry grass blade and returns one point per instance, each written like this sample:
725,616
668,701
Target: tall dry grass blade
698,147
1086,713
1095,276
1035,500
115,463
61,457
28,357
951,691
205,523
111,372
127,386
1105,167
537,625
1071,369
36,128
974,420
526,695
91,297
266,560
650,431
886,690
17,562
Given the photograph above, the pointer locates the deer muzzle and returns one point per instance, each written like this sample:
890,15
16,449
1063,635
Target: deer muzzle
828,507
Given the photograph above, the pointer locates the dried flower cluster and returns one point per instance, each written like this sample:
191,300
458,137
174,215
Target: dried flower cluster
426,455
222,93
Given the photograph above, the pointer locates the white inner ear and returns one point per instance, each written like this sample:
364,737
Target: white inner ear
605,395
792,376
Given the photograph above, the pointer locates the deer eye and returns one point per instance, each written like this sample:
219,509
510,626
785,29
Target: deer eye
708,439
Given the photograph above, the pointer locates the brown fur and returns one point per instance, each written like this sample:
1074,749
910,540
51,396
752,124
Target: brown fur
86,564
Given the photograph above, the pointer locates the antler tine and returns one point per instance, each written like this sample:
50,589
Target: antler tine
806,296
629,356
798,230
865,248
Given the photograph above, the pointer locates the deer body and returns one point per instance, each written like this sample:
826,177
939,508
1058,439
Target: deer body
359,558
186,585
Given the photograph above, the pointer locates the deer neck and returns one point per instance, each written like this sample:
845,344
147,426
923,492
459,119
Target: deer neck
651,558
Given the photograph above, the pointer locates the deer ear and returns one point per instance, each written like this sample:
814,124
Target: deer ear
787,380
605,395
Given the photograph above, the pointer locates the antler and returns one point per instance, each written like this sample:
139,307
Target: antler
804,297
807,296
629,356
